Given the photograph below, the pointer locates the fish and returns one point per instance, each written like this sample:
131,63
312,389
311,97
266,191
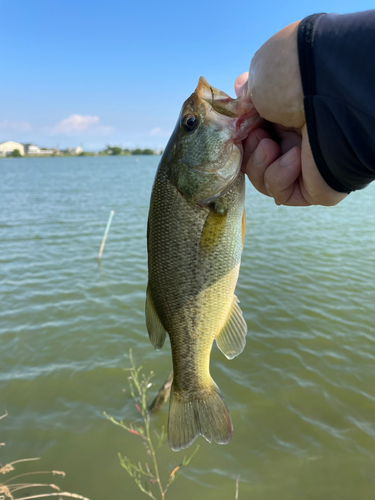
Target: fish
195,234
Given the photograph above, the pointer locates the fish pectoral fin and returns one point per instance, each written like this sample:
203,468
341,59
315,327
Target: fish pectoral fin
156,330
213,229
232,338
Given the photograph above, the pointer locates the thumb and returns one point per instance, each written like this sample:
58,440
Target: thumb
240,85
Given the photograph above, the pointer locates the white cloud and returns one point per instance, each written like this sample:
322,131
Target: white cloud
10,126
158,132
79,125
76,122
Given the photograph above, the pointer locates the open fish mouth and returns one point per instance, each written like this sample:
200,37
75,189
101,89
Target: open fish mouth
237,114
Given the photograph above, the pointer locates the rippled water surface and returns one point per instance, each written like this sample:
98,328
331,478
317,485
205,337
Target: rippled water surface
301,395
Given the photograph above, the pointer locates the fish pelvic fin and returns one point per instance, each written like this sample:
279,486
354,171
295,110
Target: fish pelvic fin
232,339
156,330
202,412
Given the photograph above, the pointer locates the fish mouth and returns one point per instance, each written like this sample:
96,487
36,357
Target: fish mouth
217,99
238,115
206,91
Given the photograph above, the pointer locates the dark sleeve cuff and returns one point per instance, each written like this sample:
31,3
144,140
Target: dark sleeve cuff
338,80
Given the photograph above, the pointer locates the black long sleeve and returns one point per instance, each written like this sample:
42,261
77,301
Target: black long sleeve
337,63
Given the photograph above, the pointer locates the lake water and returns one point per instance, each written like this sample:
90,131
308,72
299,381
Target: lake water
301,395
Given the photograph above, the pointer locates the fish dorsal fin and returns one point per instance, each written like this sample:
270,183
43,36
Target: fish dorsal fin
232,338
156,330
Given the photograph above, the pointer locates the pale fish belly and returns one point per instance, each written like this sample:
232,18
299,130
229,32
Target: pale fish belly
191,347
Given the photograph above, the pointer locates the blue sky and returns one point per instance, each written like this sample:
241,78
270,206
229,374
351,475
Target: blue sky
116,72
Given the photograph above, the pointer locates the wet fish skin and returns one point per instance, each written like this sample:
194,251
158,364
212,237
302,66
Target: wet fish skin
195,235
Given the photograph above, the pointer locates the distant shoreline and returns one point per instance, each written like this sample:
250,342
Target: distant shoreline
15,150
96,155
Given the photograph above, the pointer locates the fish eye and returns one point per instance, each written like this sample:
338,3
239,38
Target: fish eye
190,123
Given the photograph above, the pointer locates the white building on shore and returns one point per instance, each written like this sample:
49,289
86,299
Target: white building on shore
74,151
9,146
32,149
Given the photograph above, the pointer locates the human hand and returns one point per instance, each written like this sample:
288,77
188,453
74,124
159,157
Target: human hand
283,168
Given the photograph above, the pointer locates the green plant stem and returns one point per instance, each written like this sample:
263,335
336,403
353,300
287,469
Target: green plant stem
152,451
139,385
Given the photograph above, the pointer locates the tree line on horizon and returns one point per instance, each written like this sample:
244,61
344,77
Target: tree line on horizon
116,150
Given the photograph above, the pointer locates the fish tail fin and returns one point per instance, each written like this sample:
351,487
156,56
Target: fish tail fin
202,412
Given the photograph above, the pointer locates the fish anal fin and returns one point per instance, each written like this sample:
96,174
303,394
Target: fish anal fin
232,338
156,330
203,412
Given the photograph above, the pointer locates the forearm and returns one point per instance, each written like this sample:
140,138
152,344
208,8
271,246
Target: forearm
337,63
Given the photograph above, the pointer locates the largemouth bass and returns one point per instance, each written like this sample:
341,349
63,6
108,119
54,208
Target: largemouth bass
195,234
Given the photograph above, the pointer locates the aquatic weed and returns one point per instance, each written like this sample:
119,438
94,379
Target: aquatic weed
143,475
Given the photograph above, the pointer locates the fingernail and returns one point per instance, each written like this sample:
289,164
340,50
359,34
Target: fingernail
288,158
259,155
